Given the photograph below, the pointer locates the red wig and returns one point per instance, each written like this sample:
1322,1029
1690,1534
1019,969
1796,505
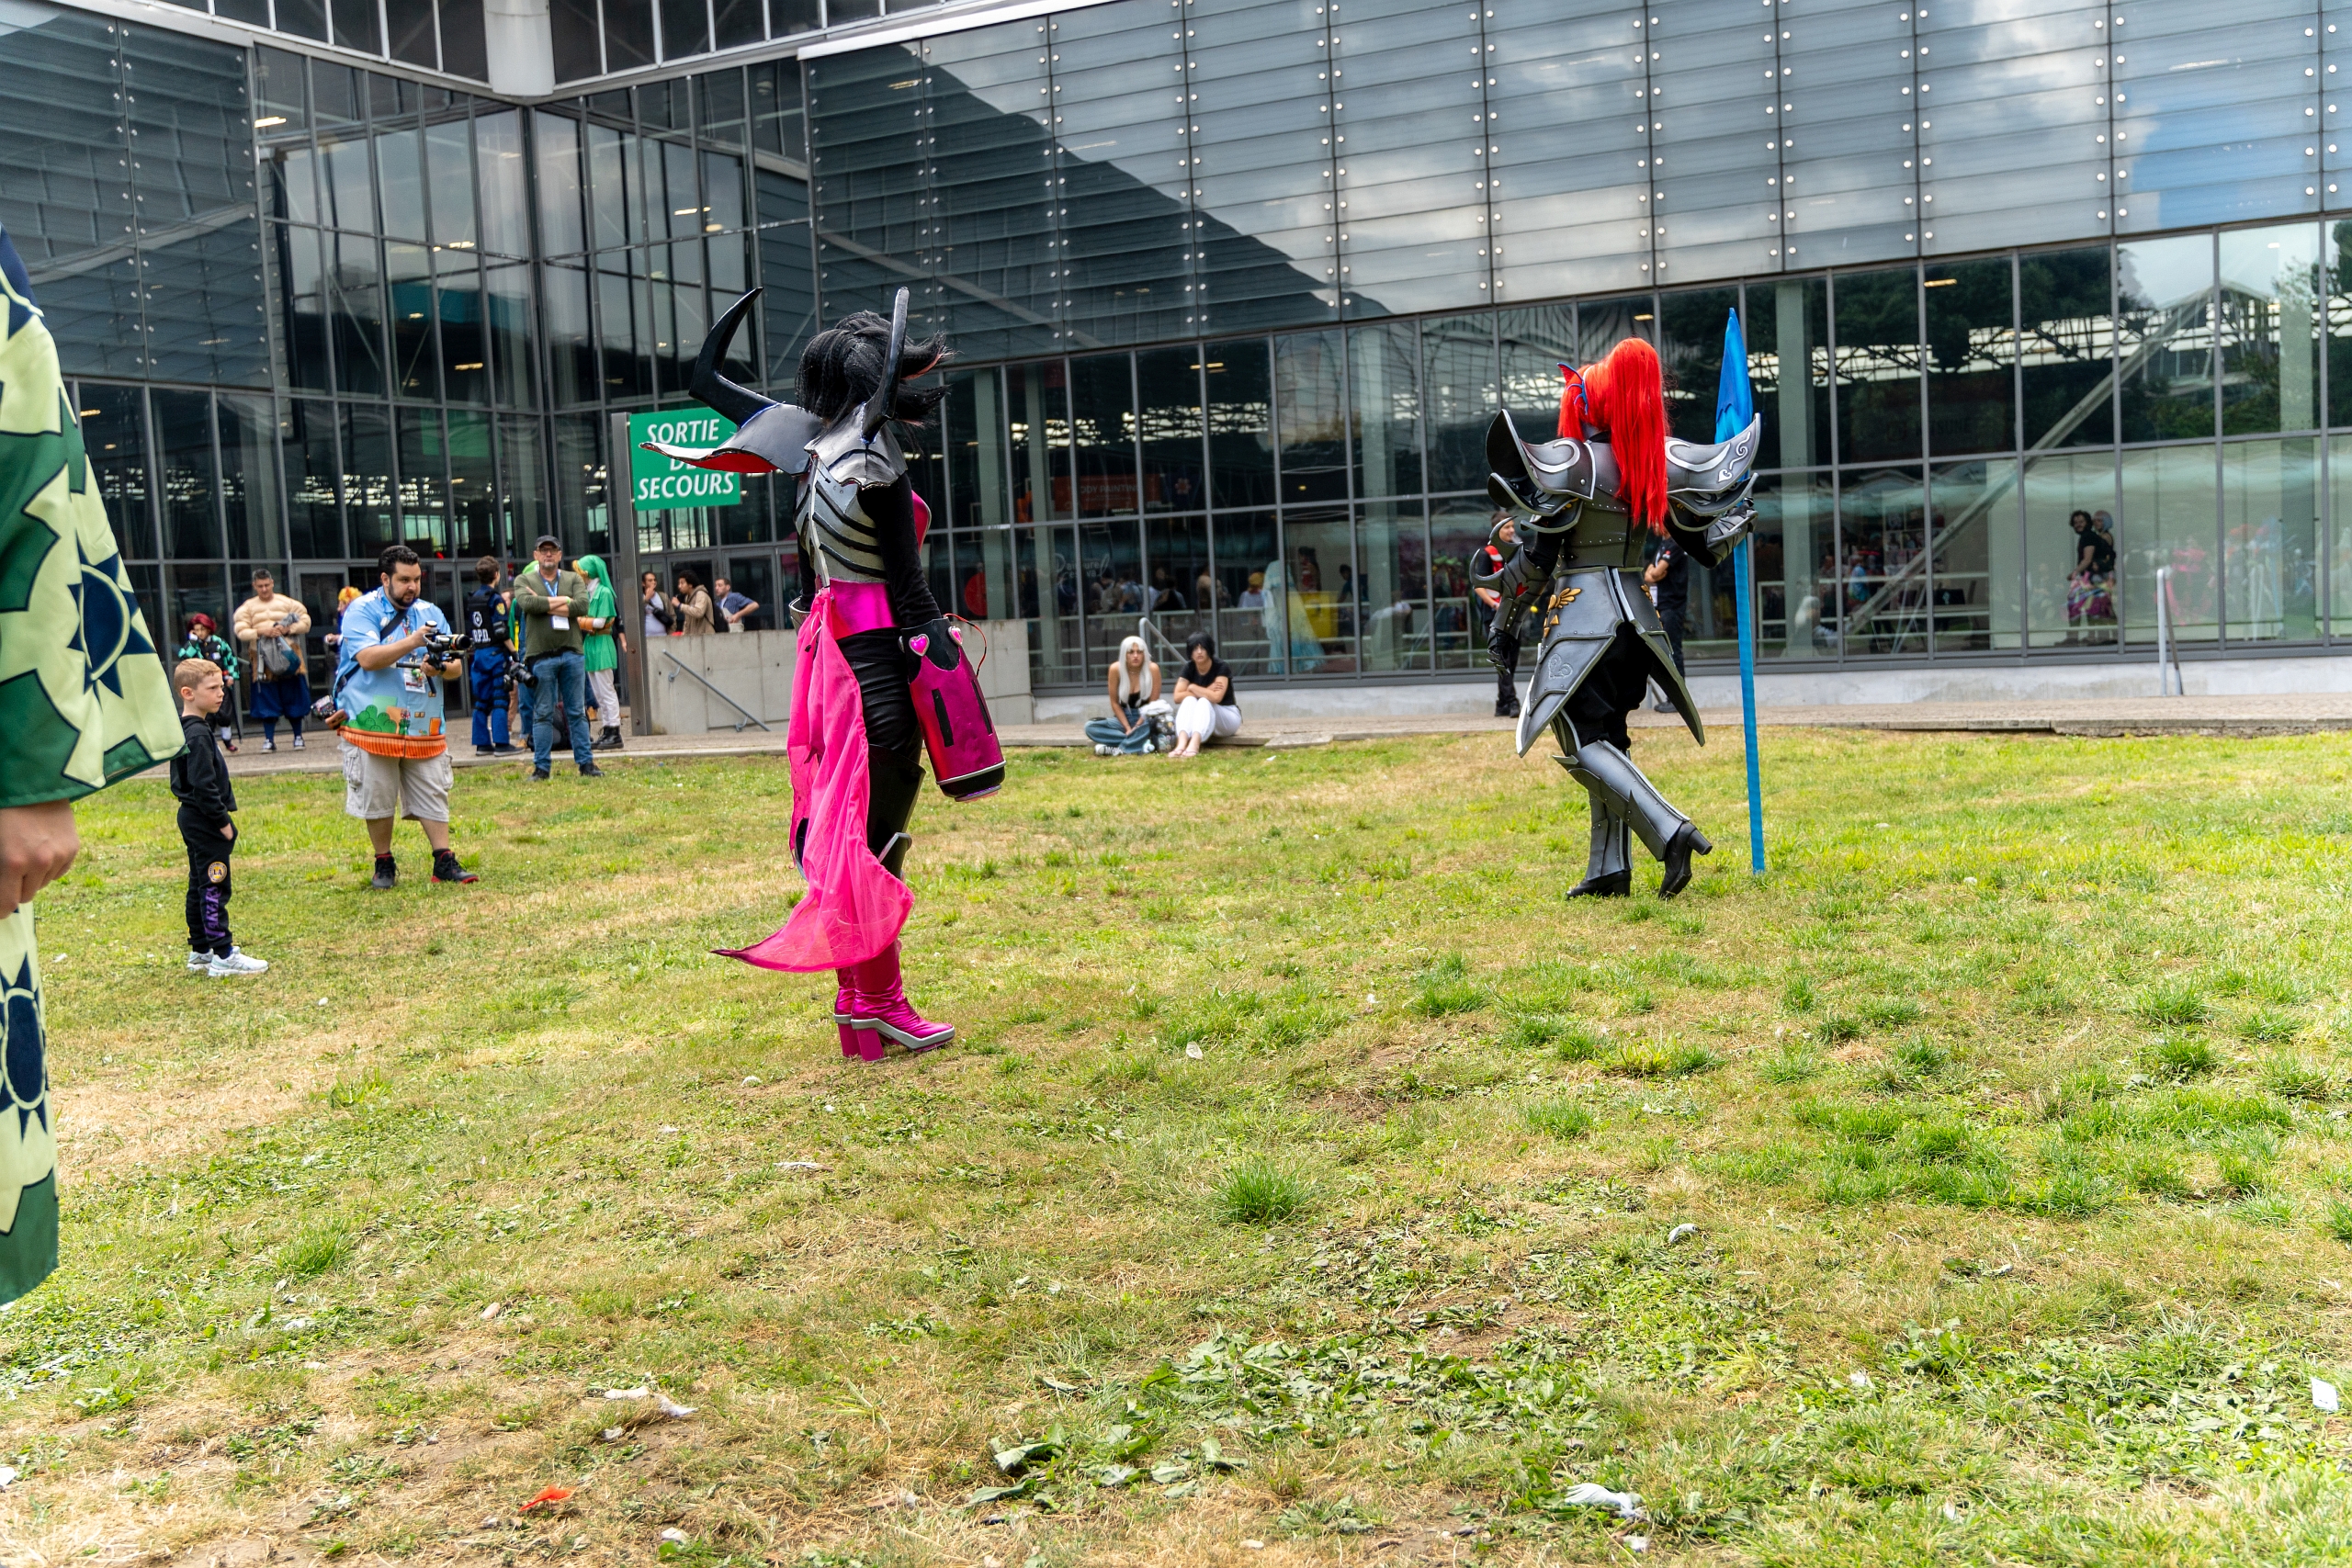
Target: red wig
1623,397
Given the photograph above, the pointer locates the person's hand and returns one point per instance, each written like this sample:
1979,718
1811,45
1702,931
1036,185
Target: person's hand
36,844
1488,596
1655,572
415,640
227,831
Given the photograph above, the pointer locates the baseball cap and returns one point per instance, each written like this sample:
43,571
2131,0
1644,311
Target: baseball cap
547,540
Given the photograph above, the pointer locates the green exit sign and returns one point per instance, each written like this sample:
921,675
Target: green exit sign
664,484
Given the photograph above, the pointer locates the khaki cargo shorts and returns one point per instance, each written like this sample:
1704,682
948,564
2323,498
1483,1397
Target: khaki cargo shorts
376,787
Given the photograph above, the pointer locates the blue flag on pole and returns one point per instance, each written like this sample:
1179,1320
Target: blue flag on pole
1735,408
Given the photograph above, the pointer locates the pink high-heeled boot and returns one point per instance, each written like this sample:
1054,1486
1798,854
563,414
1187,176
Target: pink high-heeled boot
844,1009
881,1013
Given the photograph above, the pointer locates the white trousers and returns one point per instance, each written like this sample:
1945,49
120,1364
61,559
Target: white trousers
1198,716
603,698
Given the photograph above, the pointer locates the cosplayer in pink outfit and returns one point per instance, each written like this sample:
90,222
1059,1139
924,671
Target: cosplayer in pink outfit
855,743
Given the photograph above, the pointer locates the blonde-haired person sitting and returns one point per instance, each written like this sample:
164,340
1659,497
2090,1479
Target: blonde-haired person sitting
1204,705
1132,684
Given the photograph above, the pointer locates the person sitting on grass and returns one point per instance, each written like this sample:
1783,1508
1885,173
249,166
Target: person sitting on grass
207,826
1133,681
1204,705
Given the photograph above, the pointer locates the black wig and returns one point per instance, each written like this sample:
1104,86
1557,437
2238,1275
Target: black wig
841,368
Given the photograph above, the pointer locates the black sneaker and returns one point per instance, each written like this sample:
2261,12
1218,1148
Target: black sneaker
1505,707
446,869
591,770
387,873
538,775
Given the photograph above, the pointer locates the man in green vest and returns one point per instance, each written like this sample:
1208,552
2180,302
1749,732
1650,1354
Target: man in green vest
83,701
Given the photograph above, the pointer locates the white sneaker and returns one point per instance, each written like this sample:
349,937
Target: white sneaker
1101,749
298,744
270,745
1149,748
198,961
238,962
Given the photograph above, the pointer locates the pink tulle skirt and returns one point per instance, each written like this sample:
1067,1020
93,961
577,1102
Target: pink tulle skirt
854,909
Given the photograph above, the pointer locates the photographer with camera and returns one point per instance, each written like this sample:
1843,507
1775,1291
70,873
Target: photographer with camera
396,650
551,602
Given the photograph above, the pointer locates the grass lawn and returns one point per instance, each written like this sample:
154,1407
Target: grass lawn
1310,1182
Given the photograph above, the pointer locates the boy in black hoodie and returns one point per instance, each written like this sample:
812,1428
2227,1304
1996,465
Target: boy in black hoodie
200,784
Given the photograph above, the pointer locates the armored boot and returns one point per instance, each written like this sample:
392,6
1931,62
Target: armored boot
1609,873
882,1015
1673,838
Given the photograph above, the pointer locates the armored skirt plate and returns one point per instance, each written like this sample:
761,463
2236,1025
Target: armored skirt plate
1580,618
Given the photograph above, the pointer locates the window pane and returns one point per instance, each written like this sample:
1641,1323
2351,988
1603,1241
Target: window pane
1385,430
408,280
1788,368
722,192
1878,364
1319,548
2018,151
522,482
114,433
302,306
464,343
789,16
1392,595
1846,141
2165,298
354,25
1172,425
1458,530
1037,425
1050,583
465,43
2068,348
686,28
578,51
400,157
290,176
473,500
629,34
996,212
571,344
1102,426
624,311
1126,230
249,477
1411,153
412,35
448,162
740,22
1241,443
580,509
1691,346
507,313
1971,357
2339,515
558,184
186,479
994,583
2212,116
2269,538
348,185
2065,605
367,478
306,448
1796,567
1110,572
1562,81
1710,153
1252,631
1182,590
609,171
506,196
976,442
1309,390
2169,518
1459,391
1535,342
1882,577
423,494
2270,324
1973,516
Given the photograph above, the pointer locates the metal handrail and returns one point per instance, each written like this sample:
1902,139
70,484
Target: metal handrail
714,692
1145,630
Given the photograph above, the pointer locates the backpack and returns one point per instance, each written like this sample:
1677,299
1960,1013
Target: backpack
277,657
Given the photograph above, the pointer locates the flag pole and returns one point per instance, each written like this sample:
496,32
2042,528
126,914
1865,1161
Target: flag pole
1735,408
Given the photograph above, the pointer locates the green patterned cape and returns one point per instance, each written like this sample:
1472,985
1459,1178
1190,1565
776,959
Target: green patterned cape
84,701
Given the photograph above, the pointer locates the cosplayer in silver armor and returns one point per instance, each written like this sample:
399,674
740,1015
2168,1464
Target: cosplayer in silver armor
1576,572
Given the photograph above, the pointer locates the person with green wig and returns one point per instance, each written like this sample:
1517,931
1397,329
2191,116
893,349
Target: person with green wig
603,644
84,703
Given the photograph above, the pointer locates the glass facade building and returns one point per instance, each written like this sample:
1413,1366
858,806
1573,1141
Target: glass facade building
1235,288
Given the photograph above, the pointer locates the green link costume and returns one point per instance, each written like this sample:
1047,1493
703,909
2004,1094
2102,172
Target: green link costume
84,701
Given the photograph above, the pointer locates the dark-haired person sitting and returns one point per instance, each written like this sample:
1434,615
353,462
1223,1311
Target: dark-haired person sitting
1204,705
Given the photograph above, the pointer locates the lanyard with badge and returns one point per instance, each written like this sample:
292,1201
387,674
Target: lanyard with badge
413,672
555,622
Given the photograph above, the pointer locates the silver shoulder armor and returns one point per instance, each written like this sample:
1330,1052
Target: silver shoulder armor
780,434
843,455
1549,478
1707,481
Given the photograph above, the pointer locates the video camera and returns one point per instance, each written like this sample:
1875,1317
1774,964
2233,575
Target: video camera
440,648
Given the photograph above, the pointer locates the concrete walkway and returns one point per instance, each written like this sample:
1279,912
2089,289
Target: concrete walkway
2241,716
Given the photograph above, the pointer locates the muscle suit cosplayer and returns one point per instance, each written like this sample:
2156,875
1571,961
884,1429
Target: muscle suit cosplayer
880,673
1587,501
